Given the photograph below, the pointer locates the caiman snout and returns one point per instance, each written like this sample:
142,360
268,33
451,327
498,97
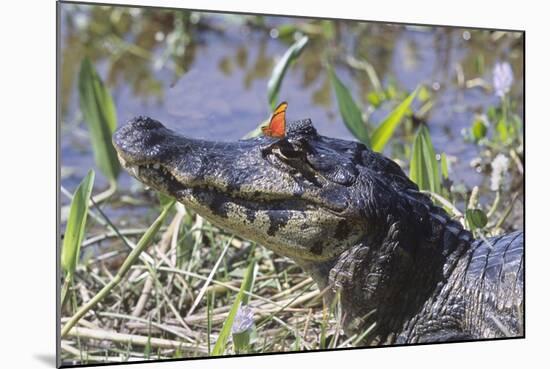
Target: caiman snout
142,140
281,192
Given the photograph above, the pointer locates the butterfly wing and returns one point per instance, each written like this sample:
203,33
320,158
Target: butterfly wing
281,108
277,124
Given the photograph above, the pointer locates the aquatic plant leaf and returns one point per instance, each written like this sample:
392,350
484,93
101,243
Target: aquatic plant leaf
479,130
444,166
286,30
385,130
375,98
76,223
502,130
475,218
423,94
99,114
246,285
274,83
349,110
424,170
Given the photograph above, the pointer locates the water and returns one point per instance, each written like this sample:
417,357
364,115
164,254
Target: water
205,75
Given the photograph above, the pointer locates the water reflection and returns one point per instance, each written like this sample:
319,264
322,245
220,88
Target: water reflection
206,74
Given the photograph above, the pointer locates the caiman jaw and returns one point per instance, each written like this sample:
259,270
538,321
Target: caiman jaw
250,196
168,181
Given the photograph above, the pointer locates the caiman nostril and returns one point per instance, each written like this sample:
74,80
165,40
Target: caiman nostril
140,139
145,123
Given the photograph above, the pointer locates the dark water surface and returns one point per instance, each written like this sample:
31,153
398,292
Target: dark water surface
205,75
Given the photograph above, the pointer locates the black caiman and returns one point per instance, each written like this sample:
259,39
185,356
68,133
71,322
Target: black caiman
350,218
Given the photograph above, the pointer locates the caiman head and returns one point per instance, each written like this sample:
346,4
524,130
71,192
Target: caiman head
294,195
350,217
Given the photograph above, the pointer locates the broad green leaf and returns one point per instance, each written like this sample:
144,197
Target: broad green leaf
424,170
385,130
286,30
99,113
479,130
348,109
274,84
375,98
476,218
423,94
76,223
502,129
246,285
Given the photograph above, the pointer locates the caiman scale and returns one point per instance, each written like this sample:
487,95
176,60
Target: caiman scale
351,219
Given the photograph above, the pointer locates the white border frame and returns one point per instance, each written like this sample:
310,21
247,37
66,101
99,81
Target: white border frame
28,181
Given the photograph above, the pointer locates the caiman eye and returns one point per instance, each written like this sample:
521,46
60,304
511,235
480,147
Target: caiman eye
285,150
292,156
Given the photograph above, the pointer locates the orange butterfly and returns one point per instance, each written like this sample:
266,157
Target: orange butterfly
277,123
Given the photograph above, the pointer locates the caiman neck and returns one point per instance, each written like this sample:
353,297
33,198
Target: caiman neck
385,282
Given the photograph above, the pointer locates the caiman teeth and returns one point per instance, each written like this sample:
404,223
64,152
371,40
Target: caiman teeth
135,170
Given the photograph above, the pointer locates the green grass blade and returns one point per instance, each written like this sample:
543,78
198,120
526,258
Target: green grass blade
274,84
351,114
99,113
385,130
209,305
444,166
362,336
143,243
164,200
246,285
76,223
431,162
424,169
